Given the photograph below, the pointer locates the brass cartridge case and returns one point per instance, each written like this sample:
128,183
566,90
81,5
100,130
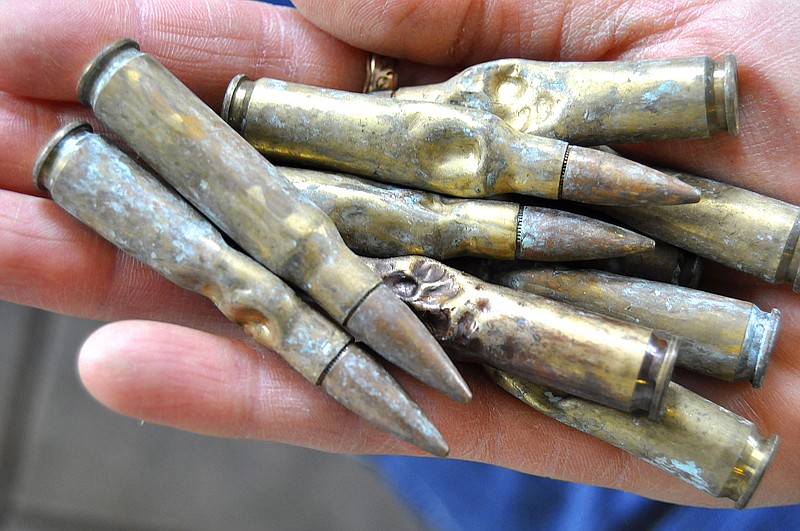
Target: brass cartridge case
381,220
440,148
592,103
701,443
663,263
242,193
618,364
104,188
738,228
730,339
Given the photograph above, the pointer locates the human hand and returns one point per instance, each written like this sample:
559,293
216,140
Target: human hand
198,374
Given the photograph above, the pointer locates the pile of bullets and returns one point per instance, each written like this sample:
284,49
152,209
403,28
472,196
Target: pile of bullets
579,318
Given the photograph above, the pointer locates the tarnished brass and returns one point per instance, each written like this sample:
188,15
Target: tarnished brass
100,185
730,225
441,148
730,339
592,103
701,443
619,364
377,219
234,186
663,263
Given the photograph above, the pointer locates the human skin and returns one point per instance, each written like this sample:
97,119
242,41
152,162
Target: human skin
169,357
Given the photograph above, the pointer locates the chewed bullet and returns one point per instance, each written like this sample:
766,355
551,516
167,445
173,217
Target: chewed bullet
735,227
103,187
208,163
440,148
697,441
604,102
377,219
730,339
619,364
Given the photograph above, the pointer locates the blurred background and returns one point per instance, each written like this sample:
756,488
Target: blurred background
68,463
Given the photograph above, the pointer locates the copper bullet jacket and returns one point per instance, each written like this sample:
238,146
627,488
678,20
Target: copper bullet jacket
440,148
381,220
699,442
735,227
618,364
730,339
208,163
592,103
104,188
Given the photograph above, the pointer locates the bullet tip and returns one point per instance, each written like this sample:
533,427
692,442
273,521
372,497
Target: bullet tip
552,235
362,385
386,324
601,178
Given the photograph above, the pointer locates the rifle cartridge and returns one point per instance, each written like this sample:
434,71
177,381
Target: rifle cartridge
663,263
104,188
592,103
242,193
735,227
697,441
377,219
615,363
441,148
740,335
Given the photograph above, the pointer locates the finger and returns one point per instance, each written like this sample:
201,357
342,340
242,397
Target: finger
25,127
46,45
51,261
466,32
202,383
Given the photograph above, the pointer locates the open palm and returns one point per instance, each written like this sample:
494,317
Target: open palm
199,373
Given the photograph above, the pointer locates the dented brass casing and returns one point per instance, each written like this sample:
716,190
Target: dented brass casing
698,441
592,103
735,227
208,163
619,364
104,188
440,148
729,338
377,219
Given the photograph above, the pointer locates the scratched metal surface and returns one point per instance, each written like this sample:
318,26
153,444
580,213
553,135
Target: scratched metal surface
68,463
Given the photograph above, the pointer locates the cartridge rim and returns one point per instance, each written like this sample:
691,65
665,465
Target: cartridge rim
48,151
662,379
234,103
768,451
726,81
731,94
767,346
98,65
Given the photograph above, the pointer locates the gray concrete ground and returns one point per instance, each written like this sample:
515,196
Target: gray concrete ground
68,463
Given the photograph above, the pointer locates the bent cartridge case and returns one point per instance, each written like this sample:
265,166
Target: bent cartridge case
107,190
697,441
242,193
618,364
592,103
440,148
730,339
738,228
376,219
